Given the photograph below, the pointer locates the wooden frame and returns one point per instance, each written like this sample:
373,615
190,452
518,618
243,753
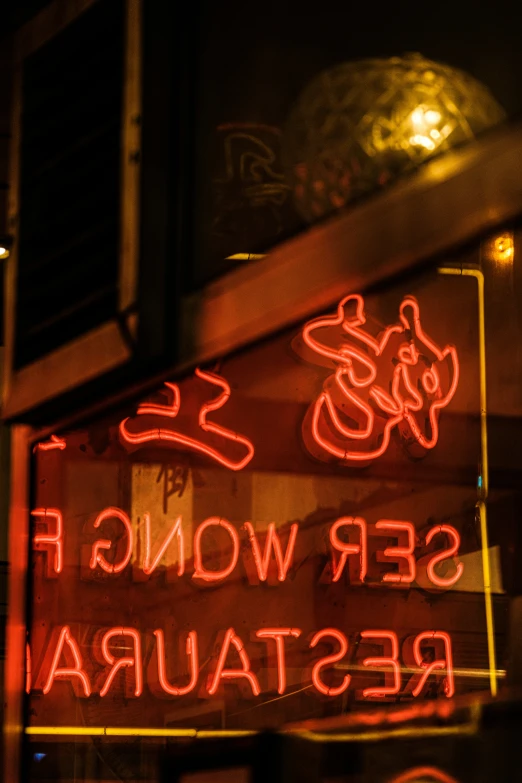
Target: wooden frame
105,347
14,676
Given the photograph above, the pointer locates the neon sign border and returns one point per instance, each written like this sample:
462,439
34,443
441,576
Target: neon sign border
371,736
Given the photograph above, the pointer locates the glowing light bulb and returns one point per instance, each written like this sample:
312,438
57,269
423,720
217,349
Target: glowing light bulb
422,141
432,117
401,111
501,248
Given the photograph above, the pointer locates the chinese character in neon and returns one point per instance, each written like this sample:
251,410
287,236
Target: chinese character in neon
218,438
399,380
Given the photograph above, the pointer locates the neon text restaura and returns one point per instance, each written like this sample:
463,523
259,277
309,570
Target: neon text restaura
118,659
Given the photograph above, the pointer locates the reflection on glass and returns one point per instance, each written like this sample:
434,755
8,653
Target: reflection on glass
200,564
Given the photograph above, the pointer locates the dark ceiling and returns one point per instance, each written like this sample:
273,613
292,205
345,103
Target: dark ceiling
15,13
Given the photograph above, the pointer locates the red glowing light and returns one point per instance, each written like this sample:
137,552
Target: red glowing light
428,774
176,530
200,572
401,552
221,673
171,436
441,663
278,635
452,551
392,662
272,542
97,558
54,539
28,669
124,662
352,390
171,410
192,653
349,549
329,659
65,638
53,443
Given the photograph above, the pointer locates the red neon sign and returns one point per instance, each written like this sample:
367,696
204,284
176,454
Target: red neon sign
97,558
402,358
133,661
200,572
63,644
192,653
278,635
453,551
349,549
319,685
445,663
272,560
391,662
72,671
406,575
149,564
272,544
50,539
172,437
220,673
53,443
425,774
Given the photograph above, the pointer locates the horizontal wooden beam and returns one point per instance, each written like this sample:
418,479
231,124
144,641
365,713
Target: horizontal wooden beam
451,200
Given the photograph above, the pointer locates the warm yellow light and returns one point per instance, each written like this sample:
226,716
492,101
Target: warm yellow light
422,141
119,731
423,119
4,252
501,248
432,117
245,257
417,116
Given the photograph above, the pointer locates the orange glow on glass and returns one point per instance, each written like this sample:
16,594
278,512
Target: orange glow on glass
53,443
176,530
349,549
97,558
232,674
54,539
127,661
65,638
192,653
171,436
441,663
405,552
328,660
200,572
279,635
272,542
439,557
28,669
392,662
347,382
